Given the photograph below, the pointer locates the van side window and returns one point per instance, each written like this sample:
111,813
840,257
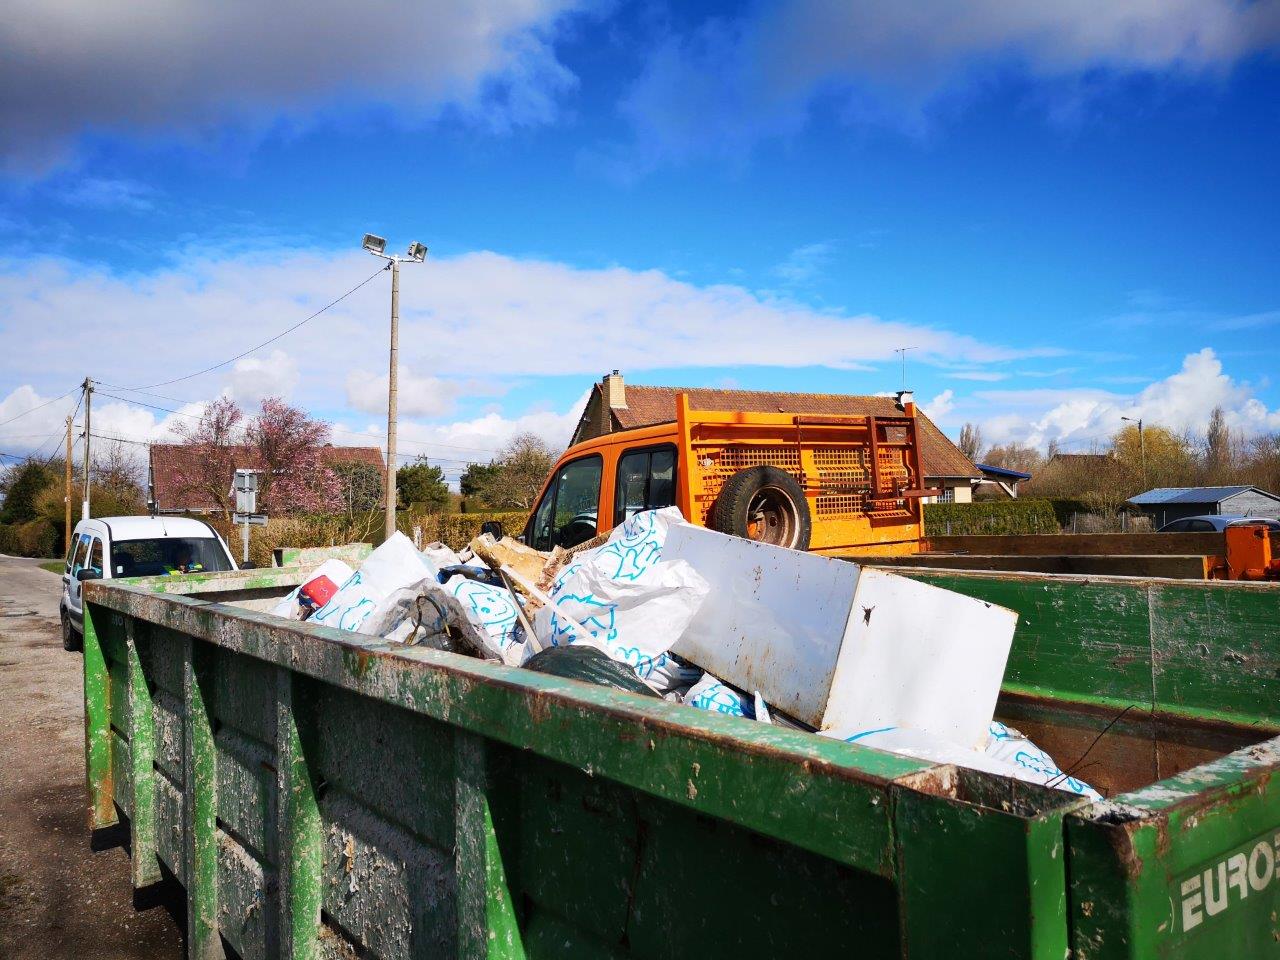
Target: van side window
646,481
567,515
82,547
95,555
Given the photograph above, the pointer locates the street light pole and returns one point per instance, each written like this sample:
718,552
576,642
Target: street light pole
416,254
393,384
1142,446
88,402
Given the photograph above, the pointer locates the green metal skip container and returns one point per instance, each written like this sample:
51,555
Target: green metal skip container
321,796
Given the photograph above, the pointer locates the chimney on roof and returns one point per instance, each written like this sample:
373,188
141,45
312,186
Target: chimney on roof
613,396
615,391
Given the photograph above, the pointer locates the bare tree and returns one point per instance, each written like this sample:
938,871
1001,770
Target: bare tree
1015,456
1218,453
216,435
971,441
522,466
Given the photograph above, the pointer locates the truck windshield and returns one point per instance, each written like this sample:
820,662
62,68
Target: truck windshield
167,555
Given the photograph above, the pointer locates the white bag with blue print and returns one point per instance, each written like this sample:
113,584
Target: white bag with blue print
631,603
1008,754
393,565
710,693
493,611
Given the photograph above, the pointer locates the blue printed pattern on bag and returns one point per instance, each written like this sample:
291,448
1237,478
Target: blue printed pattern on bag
492,608
1033,758
721,699
348,617
636,549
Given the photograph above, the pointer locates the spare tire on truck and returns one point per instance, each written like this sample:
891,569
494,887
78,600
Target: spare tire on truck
764,504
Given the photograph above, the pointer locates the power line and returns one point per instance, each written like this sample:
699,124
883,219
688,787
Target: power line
39,406
351,433
264,343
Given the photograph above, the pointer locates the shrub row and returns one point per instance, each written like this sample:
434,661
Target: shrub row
35,538
328,530
457,529
990,517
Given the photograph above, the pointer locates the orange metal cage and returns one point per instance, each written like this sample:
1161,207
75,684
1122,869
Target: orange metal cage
861,475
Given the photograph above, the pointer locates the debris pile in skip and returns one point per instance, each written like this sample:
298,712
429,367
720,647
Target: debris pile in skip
665,608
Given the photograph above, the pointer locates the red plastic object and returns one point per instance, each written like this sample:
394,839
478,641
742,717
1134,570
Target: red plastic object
317,592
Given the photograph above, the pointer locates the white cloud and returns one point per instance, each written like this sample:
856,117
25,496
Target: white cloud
417,396
253,378
1181,402
805,264
131,67
479,315
941,405
733,80
453,445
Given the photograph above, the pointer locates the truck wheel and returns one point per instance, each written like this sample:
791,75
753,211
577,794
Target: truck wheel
764,504
70,640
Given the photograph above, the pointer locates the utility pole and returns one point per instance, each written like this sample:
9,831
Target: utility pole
88,401
1142,446
393,387
66,499
416,254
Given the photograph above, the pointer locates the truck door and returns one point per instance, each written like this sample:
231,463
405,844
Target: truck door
646,481
569,511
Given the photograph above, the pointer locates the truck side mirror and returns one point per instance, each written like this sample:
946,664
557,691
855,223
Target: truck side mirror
493,528
88,573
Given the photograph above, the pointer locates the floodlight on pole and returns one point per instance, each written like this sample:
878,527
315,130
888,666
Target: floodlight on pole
416,254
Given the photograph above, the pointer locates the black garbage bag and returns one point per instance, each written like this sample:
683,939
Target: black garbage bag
582,662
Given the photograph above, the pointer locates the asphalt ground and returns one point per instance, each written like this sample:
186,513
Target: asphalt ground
64,892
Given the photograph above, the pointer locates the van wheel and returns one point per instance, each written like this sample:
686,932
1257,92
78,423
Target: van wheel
70,639
764,504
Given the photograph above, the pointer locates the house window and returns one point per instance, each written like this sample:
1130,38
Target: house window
948,495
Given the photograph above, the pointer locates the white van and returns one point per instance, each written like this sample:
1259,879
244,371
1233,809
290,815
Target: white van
110,547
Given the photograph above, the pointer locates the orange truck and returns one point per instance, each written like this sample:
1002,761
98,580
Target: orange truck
836,485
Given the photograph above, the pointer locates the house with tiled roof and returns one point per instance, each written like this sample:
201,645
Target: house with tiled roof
617,405
170,463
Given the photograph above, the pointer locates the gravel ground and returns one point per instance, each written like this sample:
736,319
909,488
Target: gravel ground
63,893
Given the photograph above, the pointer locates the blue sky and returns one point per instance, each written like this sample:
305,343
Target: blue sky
1069,213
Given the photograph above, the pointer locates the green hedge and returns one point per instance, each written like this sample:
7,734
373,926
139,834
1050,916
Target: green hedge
1065,507
35,538
457,529
991,517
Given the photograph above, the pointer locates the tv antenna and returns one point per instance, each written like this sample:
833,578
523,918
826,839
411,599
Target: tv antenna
903,352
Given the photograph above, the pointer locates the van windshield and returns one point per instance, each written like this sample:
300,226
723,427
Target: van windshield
167,555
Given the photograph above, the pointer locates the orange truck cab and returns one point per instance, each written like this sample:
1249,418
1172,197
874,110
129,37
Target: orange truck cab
838,485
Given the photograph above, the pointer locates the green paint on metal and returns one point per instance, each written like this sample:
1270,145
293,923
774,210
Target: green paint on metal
422,804
142,751
487,922
1202,649
1185,868
992,863
298,827
97,721
200,806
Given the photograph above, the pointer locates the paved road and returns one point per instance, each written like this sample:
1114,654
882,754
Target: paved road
58,896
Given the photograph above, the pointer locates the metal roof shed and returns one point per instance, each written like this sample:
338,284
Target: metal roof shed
1167,504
